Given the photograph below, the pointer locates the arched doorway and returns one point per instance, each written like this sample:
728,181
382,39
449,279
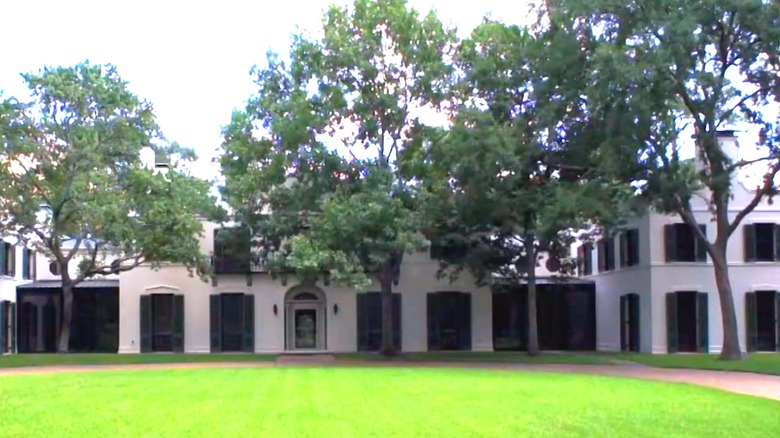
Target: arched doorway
304,310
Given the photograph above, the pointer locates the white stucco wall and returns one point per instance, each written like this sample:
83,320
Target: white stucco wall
653,278
612,284
8,283
417,279
682,276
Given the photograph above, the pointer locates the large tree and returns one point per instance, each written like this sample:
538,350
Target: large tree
74,186
312,162
659,67
513,176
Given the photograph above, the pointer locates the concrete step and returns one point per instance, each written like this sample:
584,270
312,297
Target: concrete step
305,359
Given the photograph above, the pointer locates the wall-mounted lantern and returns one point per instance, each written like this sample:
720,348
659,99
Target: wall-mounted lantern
335,308
276,309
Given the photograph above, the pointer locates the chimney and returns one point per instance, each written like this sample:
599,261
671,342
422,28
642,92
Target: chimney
161,162
148,157
728,143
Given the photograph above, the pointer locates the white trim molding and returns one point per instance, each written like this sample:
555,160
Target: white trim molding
688,288
161,287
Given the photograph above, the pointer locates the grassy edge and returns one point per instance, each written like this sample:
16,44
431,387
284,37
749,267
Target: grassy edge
763,363
75,359
757,363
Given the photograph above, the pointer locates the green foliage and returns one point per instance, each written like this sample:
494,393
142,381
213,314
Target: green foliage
661,66
74,186
514,167
313,160
658,67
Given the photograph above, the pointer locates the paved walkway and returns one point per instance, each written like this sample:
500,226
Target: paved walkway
759,385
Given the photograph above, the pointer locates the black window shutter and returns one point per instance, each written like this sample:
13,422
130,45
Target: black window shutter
432,310
777,321
146,323
670,242
3,255
749,236
25,263
244,249
362,321
4,332
588,259
178,323
215,317
464,332
672,337
624,250
751,321
13,328
12,256
777,247
702,323
397,321
701,247
634,247
602,256
249,323
219,252
623,322
633,317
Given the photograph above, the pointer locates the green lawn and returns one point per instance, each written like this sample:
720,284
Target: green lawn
365,402
501,357
765,363
25,360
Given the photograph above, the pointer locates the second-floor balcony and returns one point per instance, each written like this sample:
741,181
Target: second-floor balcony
234,253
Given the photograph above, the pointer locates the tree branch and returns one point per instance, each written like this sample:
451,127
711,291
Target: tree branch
765,189
107,270
92,258
726,115
743,163
74,250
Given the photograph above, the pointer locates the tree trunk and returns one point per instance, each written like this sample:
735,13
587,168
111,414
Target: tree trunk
67,316
731,348
386,280
533,333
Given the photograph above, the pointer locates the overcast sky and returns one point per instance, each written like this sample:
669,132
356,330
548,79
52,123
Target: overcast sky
191,60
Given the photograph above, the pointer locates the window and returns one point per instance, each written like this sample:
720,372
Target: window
7,259
683,245
606,254
585,259
449,321
162,323
629,248
761,242
369,321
